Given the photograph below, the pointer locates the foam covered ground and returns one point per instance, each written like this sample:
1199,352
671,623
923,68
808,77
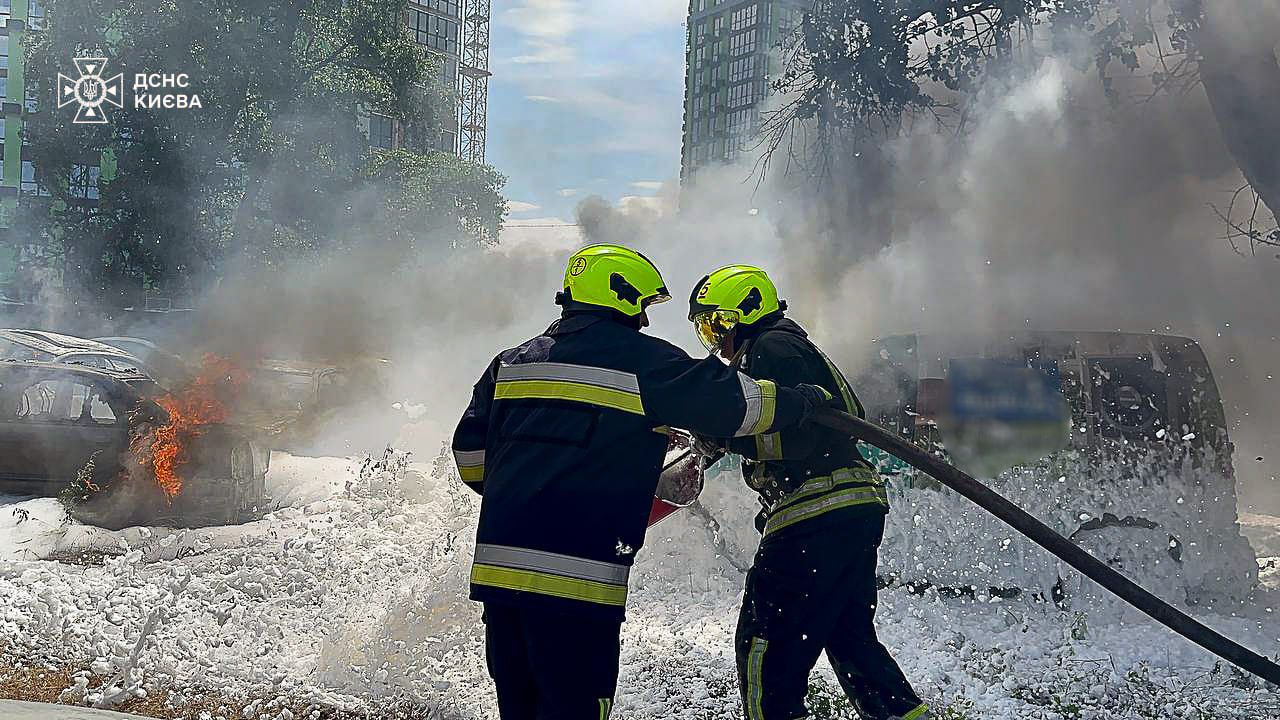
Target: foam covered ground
353,595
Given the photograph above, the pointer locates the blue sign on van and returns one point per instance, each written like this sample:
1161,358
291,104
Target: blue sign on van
983,388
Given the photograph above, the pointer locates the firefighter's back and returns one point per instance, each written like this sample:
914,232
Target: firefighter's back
572,458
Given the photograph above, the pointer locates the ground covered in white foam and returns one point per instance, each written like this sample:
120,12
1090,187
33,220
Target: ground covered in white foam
353,595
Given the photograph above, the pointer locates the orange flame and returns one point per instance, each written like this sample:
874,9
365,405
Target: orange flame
201,402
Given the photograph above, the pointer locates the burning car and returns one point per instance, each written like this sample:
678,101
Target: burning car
120,450
300,403
56,347
1118,440
170,369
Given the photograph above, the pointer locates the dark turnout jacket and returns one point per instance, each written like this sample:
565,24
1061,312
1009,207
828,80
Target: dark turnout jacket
564,440
800,472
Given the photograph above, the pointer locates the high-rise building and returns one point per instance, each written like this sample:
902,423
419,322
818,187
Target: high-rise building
457,33
17,174
437,26
731,52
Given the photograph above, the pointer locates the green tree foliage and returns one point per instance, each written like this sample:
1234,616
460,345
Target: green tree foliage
272,168
861,60
432,195
867,65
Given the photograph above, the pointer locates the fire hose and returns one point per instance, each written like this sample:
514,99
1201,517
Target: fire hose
1065,550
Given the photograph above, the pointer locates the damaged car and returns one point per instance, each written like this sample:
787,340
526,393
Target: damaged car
119,450
1117,440
319,406
55,347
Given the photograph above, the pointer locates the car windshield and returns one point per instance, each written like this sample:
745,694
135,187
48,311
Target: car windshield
133,347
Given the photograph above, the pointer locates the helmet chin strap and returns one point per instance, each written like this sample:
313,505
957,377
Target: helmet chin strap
727,349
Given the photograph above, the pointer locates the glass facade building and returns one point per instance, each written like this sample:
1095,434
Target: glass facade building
730,55
436,25
18,18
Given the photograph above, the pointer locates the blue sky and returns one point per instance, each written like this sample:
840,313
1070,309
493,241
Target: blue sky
585,99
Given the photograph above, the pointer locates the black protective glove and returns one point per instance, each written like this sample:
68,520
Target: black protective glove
708,446
814,396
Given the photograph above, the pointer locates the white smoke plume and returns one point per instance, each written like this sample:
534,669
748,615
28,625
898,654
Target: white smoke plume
1054,210
1058,210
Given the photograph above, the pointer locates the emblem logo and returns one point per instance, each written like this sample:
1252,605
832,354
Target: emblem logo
90,91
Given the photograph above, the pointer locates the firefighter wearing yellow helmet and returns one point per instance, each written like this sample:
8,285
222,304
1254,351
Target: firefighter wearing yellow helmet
563,439
812,586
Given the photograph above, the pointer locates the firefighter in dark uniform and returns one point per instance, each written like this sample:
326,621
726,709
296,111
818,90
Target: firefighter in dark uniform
813,584
564,439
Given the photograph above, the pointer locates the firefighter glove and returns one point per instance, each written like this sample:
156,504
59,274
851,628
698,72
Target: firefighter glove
708,446
814,396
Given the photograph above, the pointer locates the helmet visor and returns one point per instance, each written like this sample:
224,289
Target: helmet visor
714,327
661,297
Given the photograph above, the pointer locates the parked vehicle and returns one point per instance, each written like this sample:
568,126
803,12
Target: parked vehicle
314,406
56,347
1131,458
67,428
166,367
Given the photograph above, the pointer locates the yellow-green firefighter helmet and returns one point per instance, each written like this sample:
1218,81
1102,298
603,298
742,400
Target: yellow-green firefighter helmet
731,296
615,277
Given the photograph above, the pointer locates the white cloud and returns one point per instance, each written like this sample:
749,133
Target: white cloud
545,26
517,206
647,185
628,17
546,53
551,19
609,72
641,115
547,233
554,20
567,192
540,222
638,203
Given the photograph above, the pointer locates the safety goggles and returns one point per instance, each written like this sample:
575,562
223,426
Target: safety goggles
714,327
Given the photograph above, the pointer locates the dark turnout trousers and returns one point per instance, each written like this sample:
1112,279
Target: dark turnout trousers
549,664
813,588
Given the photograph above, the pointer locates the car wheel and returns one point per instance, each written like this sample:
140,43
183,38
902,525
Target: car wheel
250,494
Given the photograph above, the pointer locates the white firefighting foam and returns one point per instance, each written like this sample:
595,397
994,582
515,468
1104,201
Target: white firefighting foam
354,596
1172,527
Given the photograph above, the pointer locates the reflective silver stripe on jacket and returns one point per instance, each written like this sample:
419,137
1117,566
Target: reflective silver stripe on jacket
848,497
858,476
468,458
565,372
750,391
761,397
552,563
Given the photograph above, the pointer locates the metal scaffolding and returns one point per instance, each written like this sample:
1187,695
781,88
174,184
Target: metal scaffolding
474,69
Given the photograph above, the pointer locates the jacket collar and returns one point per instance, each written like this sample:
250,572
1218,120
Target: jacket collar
580,318
772,321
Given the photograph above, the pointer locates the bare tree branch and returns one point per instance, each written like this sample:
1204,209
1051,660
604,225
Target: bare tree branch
1249,228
